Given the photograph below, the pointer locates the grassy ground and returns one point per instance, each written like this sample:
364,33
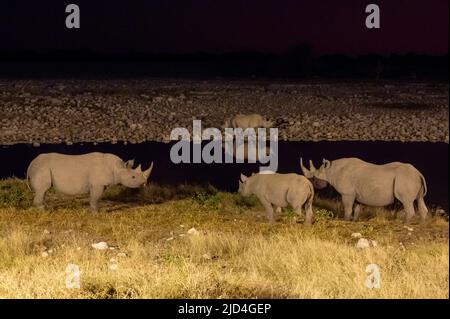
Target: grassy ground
234,252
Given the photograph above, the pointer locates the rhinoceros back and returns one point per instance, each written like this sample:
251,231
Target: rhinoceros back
276,186
74,174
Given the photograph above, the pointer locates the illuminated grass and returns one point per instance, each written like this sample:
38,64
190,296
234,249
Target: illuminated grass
236,253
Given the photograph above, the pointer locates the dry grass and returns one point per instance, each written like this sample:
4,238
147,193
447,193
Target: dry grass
236,253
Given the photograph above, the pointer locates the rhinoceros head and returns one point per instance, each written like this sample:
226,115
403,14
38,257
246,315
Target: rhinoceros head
318,176
134,178
243,186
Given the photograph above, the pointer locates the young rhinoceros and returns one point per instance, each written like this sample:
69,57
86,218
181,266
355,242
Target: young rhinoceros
82,174
280,190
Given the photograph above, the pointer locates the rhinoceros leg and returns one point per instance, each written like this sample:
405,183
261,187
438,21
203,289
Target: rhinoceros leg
39,195
356,212
95,194
40,184
269,209
408,206
309,213
422,208
348,201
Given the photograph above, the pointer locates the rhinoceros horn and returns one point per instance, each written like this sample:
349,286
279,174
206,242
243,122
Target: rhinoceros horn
148,171
308,173
138,169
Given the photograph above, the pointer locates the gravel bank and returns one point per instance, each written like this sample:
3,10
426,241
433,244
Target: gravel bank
133,111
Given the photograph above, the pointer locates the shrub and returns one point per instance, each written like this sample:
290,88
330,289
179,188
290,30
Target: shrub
15,193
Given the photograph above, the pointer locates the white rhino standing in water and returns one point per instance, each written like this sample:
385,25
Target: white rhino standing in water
280,190
371,184
82,174
245,121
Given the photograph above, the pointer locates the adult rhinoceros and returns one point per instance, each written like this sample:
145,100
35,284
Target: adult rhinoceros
371,184
80,174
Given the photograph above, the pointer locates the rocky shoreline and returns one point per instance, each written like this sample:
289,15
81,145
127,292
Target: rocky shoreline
138,110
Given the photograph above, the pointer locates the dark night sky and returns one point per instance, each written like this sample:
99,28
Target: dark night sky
331,26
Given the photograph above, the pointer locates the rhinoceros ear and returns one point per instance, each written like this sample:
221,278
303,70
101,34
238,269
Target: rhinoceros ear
326,163
129,164
243,178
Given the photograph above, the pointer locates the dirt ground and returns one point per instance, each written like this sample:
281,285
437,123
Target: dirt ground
138,110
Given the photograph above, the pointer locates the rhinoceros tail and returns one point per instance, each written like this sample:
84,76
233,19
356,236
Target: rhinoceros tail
27,181
424,186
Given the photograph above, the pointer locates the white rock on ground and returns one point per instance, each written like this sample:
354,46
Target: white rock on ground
193,231
114,266
362,243
100,245
207,256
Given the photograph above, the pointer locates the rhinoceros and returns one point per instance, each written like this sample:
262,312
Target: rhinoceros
248,121
280,190
82,174
371,184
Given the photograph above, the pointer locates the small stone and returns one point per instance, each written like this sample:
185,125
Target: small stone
121,255
356,235
46,232
100,245
207,256
193,231
169,239
374,243
44,254
362,243
114,266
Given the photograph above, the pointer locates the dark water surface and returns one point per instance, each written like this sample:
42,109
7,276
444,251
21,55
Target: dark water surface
432,159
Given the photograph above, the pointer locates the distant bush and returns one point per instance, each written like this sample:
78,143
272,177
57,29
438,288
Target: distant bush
15,193
323,214
209,200
157,194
